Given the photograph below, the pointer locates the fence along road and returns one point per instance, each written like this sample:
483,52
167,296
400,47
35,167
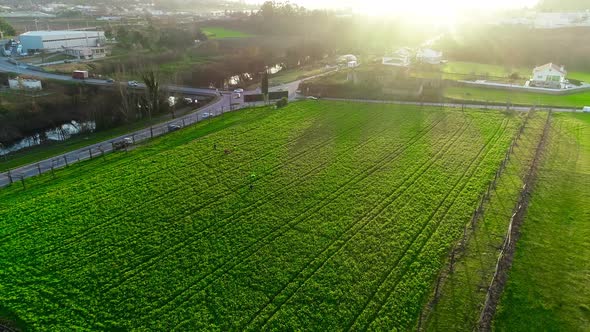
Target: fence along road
216,108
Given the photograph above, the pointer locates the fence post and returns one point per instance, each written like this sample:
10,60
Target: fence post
183,125
10,176
66,160
133,138
151,132
90,152
22,179
39,168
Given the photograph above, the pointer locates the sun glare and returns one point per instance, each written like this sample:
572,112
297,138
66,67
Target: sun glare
442,11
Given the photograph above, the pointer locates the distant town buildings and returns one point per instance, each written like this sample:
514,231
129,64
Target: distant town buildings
60,40
543,20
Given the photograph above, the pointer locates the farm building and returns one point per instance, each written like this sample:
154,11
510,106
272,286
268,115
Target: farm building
87,52
400,58
549,76
430,56
22,83
58,40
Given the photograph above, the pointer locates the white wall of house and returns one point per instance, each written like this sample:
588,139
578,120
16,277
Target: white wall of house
549,76
24,84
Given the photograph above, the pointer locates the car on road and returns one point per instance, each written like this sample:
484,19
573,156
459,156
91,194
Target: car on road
173,127
123,144
205,115
188,100
312,98
133,84
240,90
237,95
110,80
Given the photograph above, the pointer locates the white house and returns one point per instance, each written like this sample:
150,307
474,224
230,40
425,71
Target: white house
20,83
347,59
352,64
549,76
427,55
400,58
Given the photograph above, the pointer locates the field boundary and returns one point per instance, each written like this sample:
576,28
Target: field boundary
469,228
508,248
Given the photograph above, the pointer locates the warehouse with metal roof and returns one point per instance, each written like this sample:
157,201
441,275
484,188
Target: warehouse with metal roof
60,40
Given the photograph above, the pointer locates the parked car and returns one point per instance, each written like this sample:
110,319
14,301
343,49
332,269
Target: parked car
188,100
133,84
122,144
205,115
173,127
239,90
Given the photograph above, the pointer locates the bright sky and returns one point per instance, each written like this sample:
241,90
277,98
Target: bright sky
446,9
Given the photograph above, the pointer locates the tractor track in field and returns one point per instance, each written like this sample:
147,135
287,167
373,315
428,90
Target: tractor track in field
295,223
264,199
223,193
147,178
493,140
337,193
371,214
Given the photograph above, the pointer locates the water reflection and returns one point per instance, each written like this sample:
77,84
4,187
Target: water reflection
61,133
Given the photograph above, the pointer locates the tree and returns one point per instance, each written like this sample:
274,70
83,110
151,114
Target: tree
6,28
153,100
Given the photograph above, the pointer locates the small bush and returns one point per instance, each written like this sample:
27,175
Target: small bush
282,102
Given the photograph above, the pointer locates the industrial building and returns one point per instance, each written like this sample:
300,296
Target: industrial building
60,40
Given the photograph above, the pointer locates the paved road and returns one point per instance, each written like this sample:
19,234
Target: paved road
8,67
223,102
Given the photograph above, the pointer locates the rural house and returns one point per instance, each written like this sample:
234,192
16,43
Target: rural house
430,56
549,76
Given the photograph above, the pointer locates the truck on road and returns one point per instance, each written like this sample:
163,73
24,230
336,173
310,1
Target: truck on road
80,74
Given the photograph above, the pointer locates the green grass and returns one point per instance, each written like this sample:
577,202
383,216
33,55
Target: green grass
580,76
317,216
223,33
547,287
577,100
480,69
287,76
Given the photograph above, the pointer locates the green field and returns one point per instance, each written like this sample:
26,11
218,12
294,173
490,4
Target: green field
577,100
223,33
548,286
580,76
318,216
481,69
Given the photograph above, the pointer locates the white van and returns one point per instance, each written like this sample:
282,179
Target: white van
586,109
